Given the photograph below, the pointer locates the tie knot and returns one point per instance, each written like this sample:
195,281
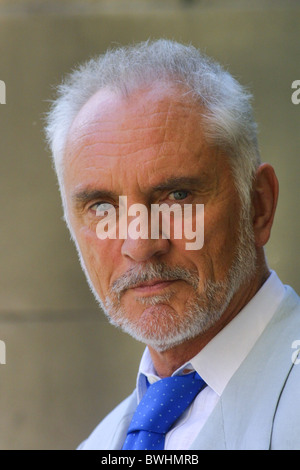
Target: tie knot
164,402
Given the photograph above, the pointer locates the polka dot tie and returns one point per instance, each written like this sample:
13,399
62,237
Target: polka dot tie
163,403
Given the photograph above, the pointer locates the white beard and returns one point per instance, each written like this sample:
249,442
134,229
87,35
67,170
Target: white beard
161,327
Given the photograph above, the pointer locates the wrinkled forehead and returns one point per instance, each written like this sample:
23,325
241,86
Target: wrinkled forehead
142,139
112,109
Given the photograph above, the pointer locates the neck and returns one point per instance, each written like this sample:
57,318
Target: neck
166,362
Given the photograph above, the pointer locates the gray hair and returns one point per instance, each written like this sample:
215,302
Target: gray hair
223,102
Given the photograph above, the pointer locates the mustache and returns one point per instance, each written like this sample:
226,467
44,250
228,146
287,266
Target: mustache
153,272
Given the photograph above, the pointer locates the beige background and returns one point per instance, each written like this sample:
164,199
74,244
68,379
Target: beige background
66,367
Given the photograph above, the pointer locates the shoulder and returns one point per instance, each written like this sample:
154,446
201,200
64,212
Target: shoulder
112,428
285,433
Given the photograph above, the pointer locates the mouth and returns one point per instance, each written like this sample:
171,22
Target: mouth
153,286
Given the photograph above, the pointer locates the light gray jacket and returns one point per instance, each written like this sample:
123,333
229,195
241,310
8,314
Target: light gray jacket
258,410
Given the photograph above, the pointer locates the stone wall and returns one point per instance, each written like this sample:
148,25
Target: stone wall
65,366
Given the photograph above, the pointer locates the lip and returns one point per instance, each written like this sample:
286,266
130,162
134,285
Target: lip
152,286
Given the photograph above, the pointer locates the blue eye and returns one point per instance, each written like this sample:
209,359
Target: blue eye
102,207
179,195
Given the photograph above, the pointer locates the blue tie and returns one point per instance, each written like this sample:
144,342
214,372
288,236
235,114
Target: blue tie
163,403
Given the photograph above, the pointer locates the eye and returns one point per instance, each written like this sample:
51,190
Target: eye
101,207
179,195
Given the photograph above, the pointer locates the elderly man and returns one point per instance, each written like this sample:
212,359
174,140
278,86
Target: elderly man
159,123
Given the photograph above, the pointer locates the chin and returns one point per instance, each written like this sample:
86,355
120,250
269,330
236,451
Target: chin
160,326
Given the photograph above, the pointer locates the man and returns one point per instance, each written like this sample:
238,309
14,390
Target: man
159,123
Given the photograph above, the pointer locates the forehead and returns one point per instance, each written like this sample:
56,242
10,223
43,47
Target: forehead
150,133
161,106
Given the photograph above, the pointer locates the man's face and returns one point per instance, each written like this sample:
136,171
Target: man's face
150,148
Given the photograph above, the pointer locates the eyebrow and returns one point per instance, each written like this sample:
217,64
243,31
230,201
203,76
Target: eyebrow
83,197
178,182
86,195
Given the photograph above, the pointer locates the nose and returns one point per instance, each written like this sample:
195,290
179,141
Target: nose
144,249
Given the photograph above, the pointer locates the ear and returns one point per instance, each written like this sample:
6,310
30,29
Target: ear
264,202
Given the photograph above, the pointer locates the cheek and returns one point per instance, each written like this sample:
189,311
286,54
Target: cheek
99,257
221,236
221,230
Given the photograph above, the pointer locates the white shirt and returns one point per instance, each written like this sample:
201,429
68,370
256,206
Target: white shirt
217,362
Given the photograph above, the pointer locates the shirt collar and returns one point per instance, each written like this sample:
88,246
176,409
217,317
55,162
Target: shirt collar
217,362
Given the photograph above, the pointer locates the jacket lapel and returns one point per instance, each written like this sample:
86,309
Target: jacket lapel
243,418
119,427
212,436
111,432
